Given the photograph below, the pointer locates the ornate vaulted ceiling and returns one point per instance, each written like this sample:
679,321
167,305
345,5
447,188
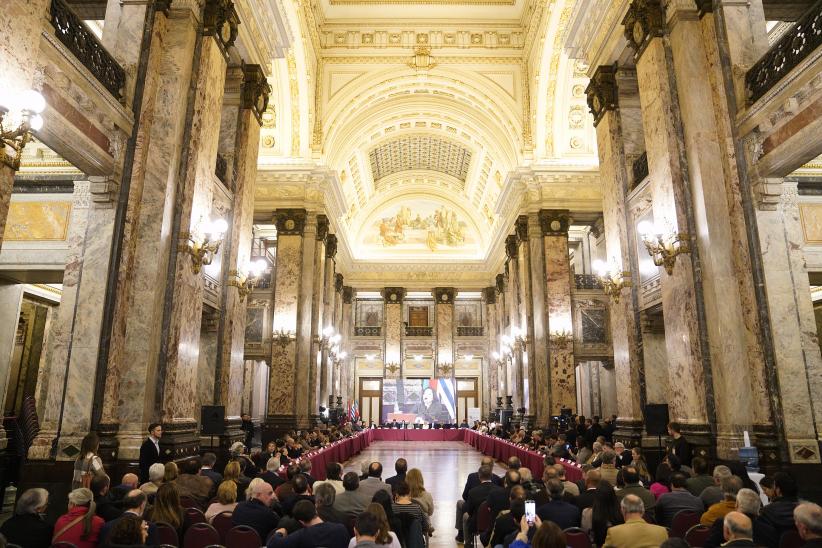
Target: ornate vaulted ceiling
423,127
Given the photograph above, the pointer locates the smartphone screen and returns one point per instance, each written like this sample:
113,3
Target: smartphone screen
530,511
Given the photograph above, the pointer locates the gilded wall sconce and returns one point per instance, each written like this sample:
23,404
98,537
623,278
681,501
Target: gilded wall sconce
612,279
25,109
205,248
664,248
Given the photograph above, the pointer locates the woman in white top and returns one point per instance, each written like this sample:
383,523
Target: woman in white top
384,536
226,500
88,464
333,470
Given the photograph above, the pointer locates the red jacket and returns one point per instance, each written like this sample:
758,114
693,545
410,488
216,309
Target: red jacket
75,532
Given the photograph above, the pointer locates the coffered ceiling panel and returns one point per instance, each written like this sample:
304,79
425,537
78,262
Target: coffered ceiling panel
414,152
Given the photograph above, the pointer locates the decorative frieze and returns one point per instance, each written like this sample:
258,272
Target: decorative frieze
645,20
393,295
444,295
554,222
290,221
602,92
255,91
220,20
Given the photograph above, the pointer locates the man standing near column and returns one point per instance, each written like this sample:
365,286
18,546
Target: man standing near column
150,450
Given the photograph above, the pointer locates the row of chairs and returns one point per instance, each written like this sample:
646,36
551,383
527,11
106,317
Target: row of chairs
201,535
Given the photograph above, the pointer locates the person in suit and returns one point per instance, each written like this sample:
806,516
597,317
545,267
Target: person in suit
256,511
476,497
352,501
669,504
498,498
738,530
557,510
633,487
207,470
270,475
314,531
373,482
133,504
401,467
470,482
808,518
635,532
150,450
586,498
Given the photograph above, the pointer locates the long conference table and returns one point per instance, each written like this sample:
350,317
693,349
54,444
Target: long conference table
497,448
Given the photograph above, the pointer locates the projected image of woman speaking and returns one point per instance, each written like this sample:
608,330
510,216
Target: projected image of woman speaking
430,409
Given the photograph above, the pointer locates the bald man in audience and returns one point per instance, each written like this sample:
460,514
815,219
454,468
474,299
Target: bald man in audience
738,530
808,519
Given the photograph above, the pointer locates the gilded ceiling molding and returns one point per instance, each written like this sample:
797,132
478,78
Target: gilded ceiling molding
602,92
553,75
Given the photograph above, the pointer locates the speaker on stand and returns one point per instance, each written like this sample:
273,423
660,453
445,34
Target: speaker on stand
212,421
656,424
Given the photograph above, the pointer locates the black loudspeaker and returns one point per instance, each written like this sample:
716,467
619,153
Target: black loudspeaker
212,420
656,419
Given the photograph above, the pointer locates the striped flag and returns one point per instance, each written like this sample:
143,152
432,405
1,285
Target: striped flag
445,393
354,411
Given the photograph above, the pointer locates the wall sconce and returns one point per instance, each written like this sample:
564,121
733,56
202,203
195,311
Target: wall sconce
392,368
29,104
612,280
282,337
245,281
663,248
444,369
561,338
203,250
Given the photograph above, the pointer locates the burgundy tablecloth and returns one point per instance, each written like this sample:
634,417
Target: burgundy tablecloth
343,450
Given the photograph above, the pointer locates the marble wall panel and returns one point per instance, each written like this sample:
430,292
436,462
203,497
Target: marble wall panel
538,376
393,333
489,364
19,53
688,401
558,303
444,313
657,383
207,367
526,313
37,221
328,321
607,390
305,323
281,399
11,299
318,324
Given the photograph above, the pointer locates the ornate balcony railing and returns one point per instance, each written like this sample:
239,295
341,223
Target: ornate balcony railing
587,281
640,169
786,53
411,331
469,331
71,31
367,331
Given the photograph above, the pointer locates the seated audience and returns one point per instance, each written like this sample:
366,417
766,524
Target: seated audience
401,468
808,519
134,506
271,474
608,470
28,526
314,532
384,536
190,483
497,499
748,503
105,506
738,530
604,513
507,522
635,532
129,530
730,487
476,496
80,525
167,507
301,491
305,470
557,510
324,496
701,478
586,498
207,469
404,505
418,493
170,472
286,489
256,511
232,472
155,478
127,483
713,493
366,530
373,482
778,515
352,501
546,535
641,466
669,504
633,487
226,500
333,477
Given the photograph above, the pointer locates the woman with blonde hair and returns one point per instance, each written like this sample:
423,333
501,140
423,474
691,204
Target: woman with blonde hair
171,472
384,536
79,526
418,492
226,500
167,507
233,472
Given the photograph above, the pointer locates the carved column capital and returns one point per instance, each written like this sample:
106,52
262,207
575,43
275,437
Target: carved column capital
645,20
555,222
522,228
489,295
444,295
393,295
290,221
500,283
322,227
511,245
347,294
339,282
704,6
220,20
255,91
602,92
330,246
103,189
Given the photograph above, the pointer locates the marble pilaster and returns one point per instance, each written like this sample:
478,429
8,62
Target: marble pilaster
336,365
208,358
502,365
282,397
444,314
526,312
538,375
392,297
347,365
326,388
490,367
305,324
562,376
317,310
604,96
11,299
672,214
513,304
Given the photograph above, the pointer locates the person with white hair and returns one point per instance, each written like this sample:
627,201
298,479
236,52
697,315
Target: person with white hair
713,494
256,510
80,525
28,527
748,503
155,478
808,519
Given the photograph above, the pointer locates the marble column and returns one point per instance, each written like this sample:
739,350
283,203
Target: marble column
305,323
317,312
502,365
609,103
208,365
11,299
672,211
538,375
490,365
562,376
393,353
282,396
514,306
347,331
444,330
74,342
720,236
326,388
526,313
246,91
339,283
130,388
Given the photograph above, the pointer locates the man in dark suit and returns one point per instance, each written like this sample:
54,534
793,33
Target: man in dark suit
270,475
133,504
586,498
401,467
150,450
256,512
498,498
476,497
557,510
207,470
471,482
